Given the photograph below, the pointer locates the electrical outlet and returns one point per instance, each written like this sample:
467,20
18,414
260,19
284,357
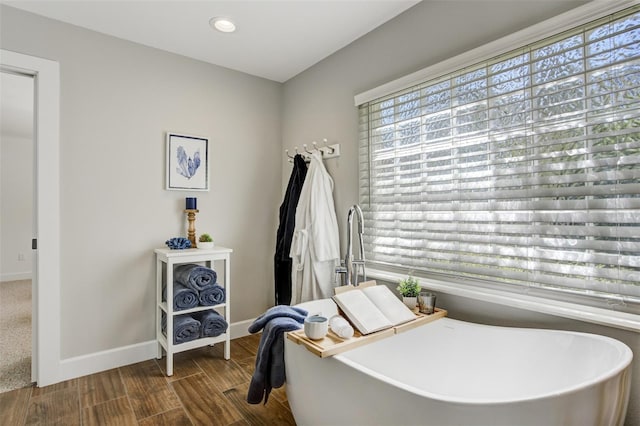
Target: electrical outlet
21,257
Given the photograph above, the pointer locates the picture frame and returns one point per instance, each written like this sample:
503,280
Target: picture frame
187,166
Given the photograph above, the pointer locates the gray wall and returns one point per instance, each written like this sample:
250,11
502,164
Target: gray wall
16,204
16,177
117,101
319,103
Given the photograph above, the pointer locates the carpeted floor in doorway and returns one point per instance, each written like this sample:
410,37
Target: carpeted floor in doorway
15,334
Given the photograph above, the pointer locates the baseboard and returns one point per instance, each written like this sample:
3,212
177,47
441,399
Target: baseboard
84,365
15,276
239,329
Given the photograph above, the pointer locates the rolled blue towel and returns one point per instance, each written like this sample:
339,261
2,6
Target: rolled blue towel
185,328
183,297
213,324
194,276
212,294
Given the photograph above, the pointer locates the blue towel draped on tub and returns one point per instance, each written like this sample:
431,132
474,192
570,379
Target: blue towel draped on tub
270,370
183,297
212,294
212,323
185,328
194,276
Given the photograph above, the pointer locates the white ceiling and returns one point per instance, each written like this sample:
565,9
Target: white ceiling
276,39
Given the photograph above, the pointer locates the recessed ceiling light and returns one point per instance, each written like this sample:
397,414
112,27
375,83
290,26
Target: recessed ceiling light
224,25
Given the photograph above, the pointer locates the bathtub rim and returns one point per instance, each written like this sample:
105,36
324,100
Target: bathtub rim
626,360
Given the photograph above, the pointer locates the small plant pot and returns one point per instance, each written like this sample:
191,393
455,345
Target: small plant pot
205,244
411,302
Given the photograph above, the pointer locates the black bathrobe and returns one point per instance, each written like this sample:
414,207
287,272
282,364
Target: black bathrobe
282,260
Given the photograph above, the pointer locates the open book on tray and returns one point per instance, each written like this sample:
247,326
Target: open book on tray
372,307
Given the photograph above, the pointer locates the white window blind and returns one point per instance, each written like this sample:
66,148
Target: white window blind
524,169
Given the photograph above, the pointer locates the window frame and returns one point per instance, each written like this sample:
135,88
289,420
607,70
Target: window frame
571,306
565,21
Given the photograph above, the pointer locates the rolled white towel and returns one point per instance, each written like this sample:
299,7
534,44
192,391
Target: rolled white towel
341,327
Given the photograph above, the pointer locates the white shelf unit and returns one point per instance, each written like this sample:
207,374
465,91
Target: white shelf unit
166,260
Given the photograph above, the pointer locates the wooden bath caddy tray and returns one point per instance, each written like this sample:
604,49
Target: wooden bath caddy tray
331,344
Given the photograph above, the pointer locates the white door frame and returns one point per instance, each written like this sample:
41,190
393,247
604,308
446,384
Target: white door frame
46,298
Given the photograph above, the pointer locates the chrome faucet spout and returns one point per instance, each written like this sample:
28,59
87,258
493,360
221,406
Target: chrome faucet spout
352,265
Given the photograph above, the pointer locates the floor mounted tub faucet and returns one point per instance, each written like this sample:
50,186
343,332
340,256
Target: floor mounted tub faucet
350,268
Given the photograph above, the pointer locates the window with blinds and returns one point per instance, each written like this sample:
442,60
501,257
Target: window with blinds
524,169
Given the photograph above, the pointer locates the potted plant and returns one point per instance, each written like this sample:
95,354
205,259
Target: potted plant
205,241
409,288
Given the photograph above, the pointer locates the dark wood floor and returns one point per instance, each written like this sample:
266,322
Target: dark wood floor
205,389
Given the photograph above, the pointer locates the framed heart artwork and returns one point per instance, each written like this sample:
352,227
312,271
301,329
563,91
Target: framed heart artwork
187,162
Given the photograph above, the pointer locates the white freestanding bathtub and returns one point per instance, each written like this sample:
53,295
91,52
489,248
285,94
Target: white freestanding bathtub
451,372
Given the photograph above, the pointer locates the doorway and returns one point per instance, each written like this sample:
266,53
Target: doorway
45,353
17,197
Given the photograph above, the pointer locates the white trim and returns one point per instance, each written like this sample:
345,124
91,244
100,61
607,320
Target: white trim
565,21
574,311
83,365
16,276
240,329
46,300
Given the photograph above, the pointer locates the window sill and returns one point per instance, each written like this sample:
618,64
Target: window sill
611,318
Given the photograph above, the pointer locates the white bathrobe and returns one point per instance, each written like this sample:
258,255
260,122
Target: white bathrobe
315,248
